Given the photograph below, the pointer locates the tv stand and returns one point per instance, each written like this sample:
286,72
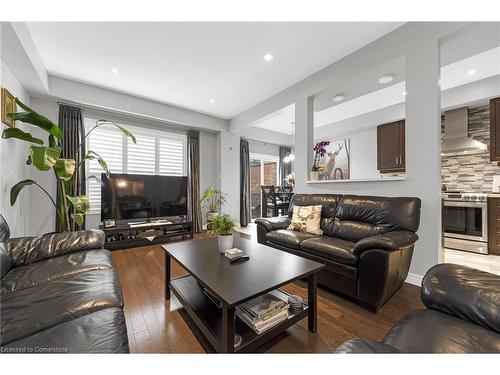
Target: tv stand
146,233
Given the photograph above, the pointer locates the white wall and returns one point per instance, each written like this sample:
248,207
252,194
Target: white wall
364,155
209,172
13,168
263,148
229,145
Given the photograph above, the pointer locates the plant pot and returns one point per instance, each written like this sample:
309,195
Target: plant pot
313,176
225,242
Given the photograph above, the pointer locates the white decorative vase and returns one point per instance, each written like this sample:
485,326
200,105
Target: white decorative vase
225,242
313,176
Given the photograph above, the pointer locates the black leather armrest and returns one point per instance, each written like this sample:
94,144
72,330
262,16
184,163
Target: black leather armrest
387,241
27,250
364,346
273,223
464,292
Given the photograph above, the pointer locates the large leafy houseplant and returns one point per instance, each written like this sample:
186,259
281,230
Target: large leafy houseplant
46,157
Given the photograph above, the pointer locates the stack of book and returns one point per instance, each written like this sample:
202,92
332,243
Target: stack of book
264,312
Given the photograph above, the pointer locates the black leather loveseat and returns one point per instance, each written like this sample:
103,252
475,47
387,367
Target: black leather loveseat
59,294
462,316
367,242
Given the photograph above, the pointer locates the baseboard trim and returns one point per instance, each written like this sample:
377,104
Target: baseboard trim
414,279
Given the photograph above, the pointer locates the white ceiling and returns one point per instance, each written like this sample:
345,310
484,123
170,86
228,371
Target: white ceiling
483,65
187,64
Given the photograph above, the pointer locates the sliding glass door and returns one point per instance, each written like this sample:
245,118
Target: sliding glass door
264,170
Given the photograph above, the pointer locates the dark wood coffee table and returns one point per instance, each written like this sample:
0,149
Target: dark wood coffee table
235,283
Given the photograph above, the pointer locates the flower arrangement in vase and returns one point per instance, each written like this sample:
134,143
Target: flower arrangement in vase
319,151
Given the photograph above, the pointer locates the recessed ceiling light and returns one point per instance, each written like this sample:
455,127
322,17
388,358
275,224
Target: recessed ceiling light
212,100
268,57
338,98
471,72
114,71
386,79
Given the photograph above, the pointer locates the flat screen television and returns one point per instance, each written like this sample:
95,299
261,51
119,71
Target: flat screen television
135,196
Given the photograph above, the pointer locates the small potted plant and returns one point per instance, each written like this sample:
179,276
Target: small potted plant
213,200
319,151
223,226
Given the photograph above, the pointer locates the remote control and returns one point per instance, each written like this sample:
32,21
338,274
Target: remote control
240,259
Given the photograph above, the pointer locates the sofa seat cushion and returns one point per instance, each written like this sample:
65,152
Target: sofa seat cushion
103,331
428,331
45,271
331,248
31,310
288,238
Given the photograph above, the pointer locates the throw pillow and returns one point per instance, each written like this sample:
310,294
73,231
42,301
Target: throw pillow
306,219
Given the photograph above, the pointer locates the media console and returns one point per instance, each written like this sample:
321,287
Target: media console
144,234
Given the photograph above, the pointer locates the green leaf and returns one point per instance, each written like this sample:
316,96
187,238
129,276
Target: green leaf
78,218
34,118
16,189
121,128
80,203
19,134
44,158
65,168
91,155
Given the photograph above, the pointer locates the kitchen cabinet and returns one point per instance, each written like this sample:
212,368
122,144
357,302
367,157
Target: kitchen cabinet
494,225
495,129
391,147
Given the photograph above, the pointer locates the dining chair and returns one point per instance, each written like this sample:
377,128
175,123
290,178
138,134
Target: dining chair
270,201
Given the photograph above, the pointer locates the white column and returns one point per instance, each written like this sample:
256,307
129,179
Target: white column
423,146
304,138
229,145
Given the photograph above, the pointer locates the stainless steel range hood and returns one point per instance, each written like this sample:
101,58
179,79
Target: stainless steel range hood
456,139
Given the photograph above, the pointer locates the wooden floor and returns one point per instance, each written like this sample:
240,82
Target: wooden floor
158,326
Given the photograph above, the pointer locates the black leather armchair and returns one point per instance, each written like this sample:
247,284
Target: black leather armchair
59,293
367,242
462,316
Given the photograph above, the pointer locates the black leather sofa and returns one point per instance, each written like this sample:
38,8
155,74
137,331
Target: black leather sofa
462,316
367,242
59,294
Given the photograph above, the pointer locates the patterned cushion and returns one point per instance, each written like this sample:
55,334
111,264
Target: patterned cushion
306,219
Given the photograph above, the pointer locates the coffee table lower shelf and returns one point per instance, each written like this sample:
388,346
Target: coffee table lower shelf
208,317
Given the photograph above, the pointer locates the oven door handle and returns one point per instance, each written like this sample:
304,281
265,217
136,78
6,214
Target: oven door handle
464,204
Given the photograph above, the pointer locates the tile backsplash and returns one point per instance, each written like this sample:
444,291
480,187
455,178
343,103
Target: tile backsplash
471,172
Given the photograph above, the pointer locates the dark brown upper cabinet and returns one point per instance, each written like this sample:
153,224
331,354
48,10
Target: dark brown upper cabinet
391,147
495,129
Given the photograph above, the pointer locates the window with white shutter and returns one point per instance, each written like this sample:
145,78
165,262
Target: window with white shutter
108,143
172,156
156,152
141,156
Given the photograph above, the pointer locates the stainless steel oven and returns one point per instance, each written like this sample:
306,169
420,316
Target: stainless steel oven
465,225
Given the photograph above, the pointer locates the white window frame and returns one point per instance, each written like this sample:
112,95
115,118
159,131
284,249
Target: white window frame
136,130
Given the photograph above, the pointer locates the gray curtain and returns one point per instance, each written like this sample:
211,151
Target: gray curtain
245,216
194,204
285,168
73,129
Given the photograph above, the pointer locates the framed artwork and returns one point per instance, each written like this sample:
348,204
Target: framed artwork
8,106
334,164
